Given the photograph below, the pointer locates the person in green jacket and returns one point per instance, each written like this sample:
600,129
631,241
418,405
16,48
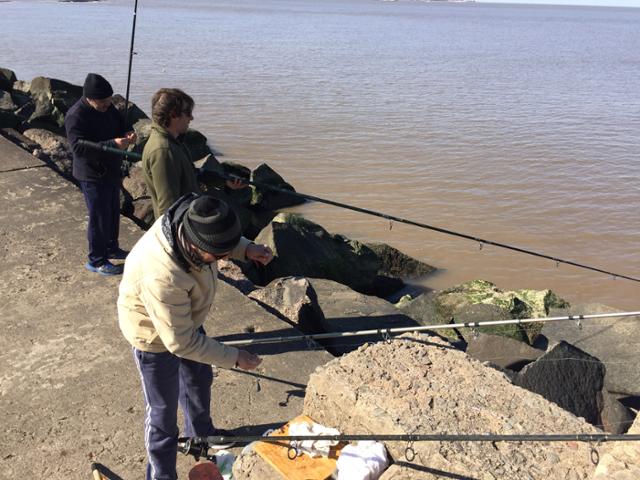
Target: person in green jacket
167,165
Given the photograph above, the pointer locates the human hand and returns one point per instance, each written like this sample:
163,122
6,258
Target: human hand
247,361
131,137
235,184
259,253
124,142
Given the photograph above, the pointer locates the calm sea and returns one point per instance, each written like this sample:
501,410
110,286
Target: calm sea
519,124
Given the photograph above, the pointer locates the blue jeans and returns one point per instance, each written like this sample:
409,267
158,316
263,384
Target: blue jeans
166,381
103,204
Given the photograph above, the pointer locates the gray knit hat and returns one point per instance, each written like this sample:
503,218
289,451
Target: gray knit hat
211,225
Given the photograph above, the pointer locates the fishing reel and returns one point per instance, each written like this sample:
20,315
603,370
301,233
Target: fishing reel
196,447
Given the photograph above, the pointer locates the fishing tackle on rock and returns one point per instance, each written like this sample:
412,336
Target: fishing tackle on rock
386,333
480,241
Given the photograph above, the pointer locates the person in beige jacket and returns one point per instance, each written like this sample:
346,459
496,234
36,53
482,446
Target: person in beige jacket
166,292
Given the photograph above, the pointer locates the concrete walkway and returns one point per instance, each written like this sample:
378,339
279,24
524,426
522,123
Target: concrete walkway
69,391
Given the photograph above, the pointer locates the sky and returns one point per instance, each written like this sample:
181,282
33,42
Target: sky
604,3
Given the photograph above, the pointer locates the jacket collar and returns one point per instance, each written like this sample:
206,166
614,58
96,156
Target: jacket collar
163,132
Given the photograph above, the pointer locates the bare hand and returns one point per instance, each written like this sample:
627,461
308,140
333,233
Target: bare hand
247,361
235,184
259,253
124,142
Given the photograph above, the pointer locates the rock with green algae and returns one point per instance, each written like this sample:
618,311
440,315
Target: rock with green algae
304,248
455,305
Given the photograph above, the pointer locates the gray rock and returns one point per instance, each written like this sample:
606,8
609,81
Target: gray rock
7,78
614,416
9,120
569,377
135,183
303,248
6,102
134,113
419,384
56,147
19,139
294,300
397,264
265,199
479,300
501,351
607,339
21,86
482,312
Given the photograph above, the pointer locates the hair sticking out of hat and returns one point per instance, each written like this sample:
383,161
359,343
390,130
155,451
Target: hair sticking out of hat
211,225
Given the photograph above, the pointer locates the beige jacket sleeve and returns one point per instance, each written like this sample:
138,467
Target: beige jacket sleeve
169,308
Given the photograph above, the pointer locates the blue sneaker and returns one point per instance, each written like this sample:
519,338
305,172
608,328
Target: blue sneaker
118,254
107,268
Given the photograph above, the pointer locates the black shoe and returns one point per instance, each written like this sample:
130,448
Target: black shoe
117,254
228,442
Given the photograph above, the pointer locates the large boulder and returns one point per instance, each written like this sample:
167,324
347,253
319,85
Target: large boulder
19,139
9,120
264,198
52,99
501,351
419,384
56,148
6,102
614,416
397,264
294,300
134,114
480,300
304,248
135,183
569,377
606,339
7,79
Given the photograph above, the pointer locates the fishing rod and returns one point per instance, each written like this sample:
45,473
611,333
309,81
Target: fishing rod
198,446
131,54
435,437
386,333
366,211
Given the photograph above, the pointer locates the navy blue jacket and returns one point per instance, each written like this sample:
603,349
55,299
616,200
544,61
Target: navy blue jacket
83,122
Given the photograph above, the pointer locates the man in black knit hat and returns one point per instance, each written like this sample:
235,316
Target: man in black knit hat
94,118
166,292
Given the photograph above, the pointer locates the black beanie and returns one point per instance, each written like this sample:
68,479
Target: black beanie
211,225
96,87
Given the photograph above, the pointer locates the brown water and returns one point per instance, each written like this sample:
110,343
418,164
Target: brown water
518,124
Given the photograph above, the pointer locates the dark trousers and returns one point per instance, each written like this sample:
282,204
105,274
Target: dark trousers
166,381
103,203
